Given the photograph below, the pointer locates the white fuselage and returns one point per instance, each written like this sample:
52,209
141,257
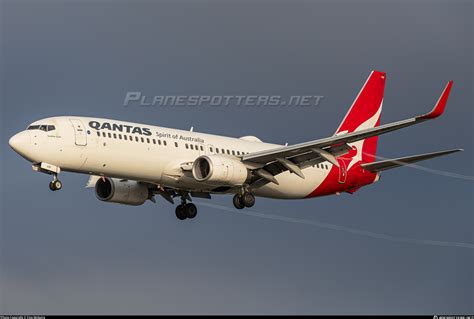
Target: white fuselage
148,153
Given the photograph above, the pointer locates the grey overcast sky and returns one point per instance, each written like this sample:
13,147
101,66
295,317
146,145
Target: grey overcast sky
66,252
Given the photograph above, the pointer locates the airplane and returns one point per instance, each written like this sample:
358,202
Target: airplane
130,163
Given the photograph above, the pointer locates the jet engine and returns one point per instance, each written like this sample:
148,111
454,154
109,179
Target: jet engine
121,191
220,170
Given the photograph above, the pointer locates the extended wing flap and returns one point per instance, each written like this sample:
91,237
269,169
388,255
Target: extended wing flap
401,161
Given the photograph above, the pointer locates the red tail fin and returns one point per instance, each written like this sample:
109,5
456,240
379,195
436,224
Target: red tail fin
365,113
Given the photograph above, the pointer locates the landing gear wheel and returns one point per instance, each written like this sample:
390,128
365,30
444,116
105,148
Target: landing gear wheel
237,200
191,210
57,184
180,212
248,200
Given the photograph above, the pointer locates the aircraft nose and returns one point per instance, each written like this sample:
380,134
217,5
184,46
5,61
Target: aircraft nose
20,142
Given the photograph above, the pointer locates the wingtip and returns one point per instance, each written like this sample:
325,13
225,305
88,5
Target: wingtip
440,105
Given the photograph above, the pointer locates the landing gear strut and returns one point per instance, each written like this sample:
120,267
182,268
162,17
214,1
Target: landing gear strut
243,199
185,210
55,184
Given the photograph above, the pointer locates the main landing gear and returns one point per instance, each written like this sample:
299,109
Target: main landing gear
55,184
185,210
243,199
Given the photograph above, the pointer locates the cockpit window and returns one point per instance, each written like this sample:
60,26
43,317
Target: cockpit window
45,128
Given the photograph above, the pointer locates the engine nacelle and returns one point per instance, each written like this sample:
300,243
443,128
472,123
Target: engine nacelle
221,170
121,191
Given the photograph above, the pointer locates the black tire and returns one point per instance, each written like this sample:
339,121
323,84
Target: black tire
180,212
51,186
190,210
248,200
237,200
58,185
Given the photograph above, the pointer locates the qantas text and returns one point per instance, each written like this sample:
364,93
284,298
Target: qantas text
120,128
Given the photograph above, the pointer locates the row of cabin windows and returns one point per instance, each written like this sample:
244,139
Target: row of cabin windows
159,142
217,150
193,147
132,138
226,151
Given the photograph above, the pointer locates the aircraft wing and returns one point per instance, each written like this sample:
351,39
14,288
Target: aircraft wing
271,162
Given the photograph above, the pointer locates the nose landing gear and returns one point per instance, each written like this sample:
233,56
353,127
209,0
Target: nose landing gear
55,184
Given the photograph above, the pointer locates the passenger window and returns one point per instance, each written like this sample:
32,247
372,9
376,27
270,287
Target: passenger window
176,144
120,136
191,146
210,149
159,142
164,143
148,140
228,152
136,138
98,134
143,140
110,135
115,135
233,152
154,141
217,150
186,145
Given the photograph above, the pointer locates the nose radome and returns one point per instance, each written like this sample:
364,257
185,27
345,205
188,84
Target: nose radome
20,142
14,141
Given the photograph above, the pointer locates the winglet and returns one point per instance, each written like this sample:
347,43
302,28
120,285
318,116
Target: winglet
438,109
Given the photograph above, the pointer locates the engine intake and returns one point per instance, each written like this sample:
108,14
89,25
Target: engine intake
121,191
221,170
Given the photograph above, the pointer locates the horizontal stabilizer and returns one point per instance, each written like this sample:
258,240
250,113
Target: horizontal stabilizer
397,162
